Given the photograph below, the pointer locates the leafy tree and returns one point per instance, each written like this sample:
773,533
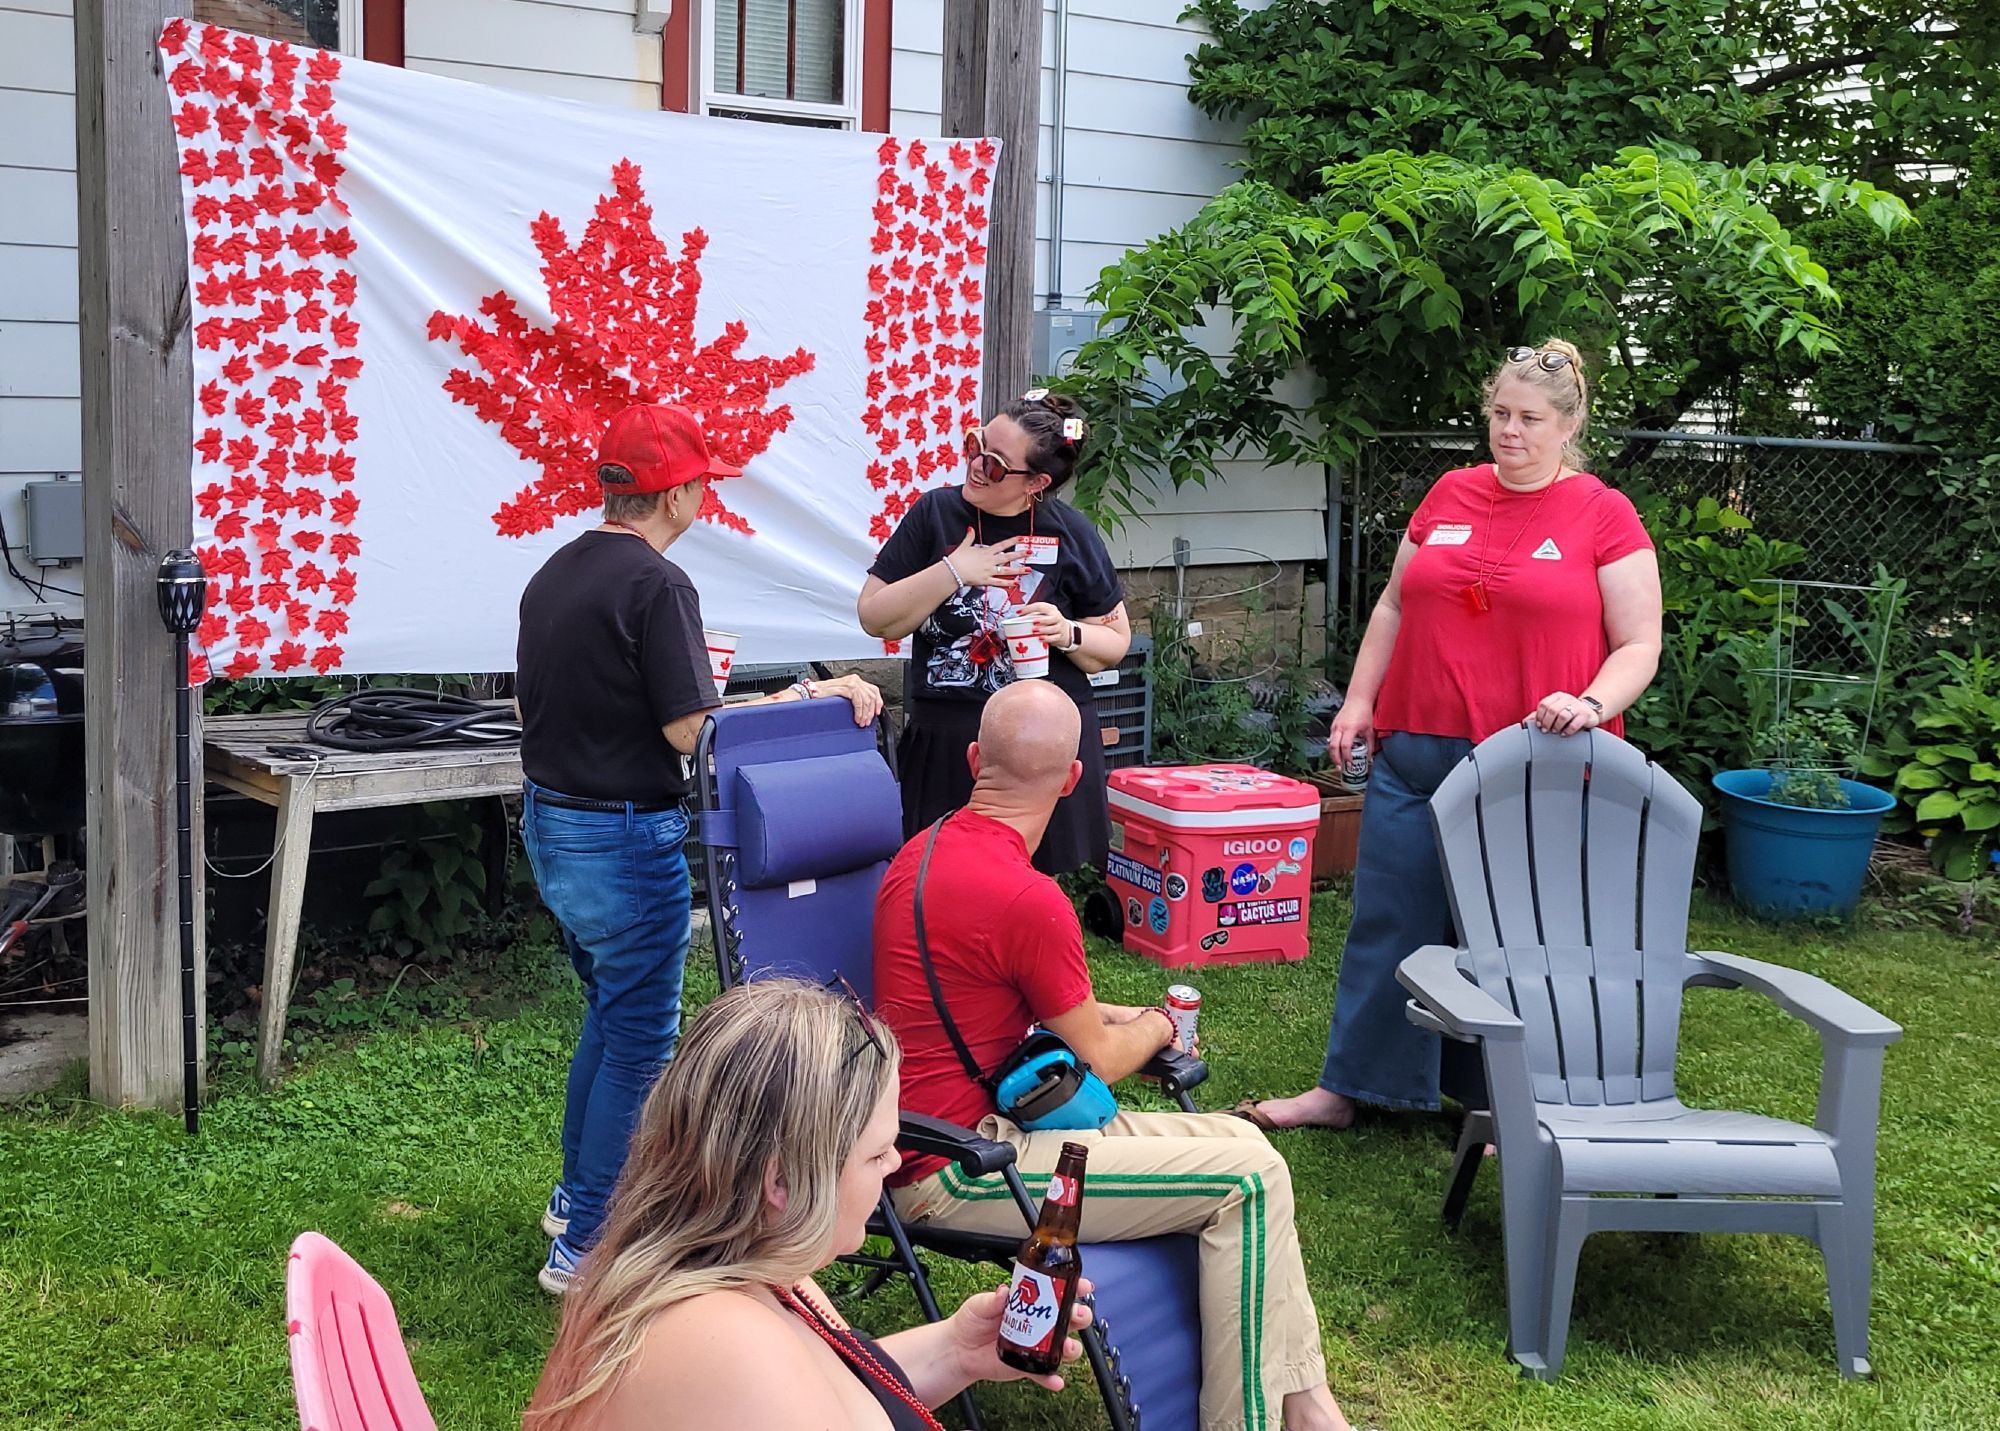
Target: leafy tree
1428,181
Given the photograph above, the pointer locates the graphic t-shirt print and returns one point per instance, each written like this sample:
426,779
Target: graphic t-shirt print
953,632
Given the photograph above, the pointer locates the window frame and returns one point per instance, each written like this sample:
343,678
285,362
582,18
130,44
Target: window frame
847,115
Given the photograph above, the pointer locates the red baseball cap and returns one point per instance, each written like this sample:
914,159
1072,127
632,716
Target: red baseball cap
651,447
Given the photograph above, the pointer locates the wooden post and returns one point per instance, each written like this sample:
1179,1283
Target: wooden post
993,86
138,504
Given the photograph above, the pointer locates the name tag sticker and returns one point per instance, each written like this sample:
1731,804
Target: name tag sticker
1449,534
1040,551
799,888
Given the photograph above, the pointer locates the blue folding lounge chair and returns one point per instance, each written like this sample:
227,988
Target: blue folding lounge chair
799,818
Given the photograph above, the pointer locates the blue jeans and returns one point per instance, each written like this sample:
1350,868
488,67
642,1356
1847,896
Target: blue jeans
617,882
1374,1054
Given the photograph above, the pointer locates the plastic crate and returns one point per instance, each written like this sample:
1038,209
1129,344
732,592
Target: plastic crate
1125,707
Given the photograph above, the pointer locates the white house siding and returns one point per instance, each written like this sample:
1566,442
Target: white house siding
40,404
1138,160
578,49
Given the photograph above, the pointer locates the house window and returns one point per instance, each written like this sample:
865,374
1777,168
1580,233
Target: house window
788,61
322,24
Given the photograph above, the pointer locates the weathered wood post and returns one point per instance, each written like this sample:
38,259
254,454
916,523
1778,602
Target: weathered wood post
137,501
993,86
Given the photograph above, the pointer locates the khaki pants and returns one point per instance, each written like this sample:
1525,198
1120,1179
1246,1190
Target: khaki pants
1207,1174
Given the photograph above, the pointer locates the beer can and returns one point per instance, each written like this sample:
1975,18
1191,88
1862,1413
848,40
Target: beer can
1183,1006
1356,766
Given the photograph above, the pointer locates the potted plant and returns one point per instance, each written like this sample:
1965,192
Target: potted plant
1798,833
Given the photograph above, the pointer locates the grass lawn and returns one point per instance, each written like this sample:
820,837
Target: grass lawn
141,1273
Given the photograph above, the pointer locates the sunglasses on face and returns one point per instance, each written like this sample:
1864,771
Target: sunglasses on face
863,1019
989,465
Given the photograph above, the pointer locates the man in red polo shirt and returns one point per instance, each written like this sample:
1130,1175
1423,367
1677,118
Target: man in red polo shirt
1008,953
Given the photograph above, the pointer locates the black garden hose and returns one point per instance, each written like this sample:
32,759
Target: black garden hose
392,718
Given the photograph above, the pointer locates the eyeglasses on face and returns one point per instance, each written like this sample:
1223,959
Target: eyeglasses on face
866,1021
1543,358
991,466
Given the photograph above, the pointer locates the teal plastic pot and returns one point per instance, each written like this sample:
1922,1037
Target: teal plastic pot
1786,861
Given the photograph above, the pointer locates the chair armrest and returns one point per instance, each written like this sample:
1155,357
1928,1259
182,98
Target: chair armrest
1837,1016
978,1156
1467,1011
1177,1071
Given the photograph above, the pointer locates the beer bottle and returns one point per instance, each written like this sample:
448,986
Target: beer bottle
1043,1291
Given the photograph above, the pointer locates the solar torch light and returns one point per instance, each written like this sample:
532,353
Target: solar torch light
182,588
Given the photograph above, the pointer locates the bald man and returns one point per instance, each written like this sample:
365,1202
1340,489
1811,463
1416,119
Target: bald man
1008,953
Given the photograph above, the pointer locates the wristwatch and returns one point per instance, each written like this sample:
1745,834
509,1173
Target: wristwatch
1076,640
1593,702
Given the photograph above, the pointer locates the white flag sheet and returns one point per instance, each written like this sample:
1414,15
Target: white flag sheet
417,302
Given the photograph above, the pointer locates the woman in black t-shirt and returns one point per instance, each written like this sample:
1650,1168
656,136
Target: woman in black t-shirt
964,560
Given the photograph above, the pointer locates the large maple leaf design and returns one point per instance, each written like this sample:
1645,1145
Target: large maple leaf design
624,332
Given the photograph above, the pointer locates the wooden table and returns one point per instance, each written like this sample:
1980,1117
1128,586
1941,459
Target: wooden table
238,758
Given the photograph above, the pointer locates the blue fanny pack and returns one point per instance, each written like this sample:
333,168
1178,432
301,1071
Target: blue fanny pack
1042,1084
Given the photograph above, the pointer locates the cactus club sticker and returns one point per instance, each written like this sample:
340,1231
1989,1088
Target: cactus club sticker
1259,911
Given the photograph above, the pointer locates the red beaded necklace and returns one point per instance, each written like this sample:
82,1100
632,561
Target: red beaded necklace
854,1354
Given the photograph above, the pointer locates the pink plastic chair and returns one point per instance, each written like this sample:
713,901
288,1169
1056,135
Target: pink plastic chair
350,1371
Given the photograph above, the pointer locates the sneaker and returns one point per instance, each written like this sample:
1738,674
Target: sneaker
560,1270
555,1217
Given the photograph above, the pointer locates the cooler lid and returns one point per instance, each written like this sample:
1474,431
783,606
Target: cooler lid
1243,793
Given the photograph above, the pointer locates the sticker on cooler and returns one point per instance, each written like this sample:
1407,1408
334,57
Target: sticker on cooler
1039,551
1034,1301
1259,911
1449,534
1125,868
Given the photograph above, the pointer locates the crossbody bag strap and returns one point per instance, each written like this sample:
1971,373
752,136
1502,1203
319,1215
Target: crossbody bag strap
930,972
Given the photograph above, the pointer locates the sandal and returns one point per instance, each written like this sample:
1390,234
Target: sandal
1251,1111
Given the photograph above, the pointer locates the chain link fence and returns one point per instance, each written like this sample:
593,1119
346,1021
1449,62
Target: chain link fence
1853,506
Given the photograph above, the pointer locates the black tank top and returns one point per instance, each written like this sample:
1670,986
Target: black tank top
901,1417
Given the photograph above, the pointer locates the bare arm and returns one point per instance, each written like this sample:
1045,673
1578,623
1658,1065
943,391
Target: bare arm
685,733
1630,588
1356,718
1114,1050
891,610
1106,639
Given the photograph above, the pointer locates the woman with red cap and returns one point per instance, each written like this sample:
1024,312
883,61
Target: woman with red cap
963,561
614,686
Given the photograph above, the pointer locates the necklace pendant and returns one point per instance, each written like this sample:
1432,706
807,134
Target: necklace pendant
1476,596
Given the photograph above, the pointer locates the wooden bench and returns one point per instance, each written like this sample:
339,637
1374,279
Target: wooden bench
238,757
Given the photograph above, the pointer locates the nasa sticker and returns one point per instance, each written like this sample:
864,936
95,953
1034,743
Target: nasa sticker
1176,888
1243,879
1297,848
1157,915
1214,885
1133,913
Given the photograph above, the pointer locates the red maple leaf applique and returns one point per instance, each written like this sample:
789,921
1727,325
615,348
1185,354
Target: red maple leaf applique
624,332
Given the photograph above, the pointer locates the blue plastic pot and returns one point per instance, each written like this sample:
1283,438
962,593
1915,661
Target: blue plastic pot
1786,861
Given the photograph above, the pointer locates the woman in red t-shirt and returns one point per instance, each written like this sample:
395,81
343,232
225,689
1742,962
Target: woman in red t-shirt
1524,589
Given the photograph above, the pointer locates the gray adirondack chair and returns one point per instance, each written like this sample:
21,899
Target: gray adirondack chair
1570,863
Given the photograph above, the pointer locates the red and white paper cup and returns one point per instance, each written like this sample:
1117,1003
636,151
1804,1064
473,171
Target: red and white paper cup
1030,652
721,655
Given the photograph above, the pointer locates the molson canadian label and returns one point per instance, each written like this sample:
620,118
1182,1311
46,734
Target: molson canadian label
1035,1299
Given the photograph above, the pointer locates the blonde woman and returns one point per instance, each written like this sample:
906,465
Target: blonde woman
1524,589
757,1161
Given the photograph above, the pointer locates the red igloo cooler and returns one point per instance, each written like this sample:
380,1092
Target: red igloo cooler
1212,864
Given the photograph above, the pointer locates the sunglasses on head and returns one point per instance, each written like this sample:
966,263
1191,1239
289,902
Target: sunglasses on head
866,1021
991,466
1543,358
